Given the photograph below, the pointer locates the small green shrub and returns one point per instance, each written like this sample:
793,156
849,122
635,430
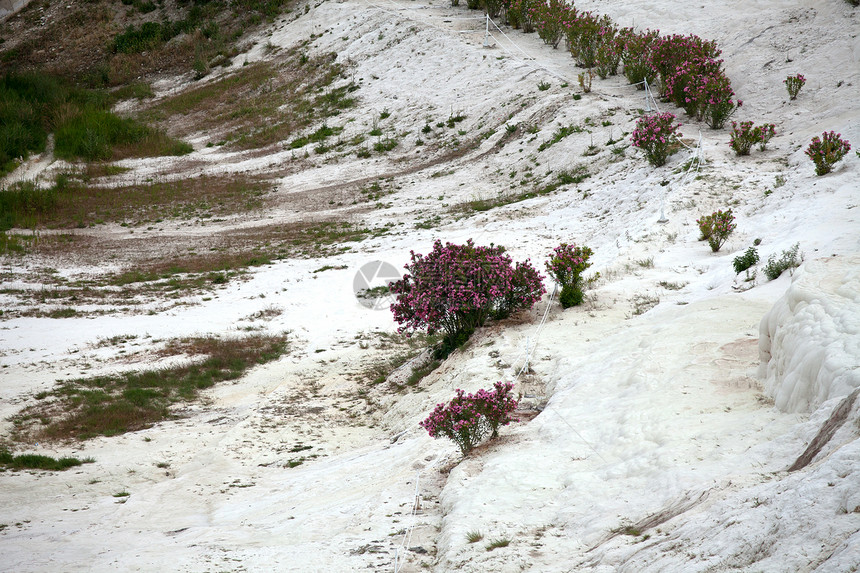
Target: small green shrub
745,261
788,261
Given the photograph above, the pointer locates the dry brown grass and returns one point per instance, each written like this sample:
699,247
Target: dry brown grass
261,104
80,205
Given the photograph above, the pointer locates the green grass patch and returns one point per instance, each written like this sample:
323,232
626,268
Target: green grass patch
38,462
115,404
34,104
560,134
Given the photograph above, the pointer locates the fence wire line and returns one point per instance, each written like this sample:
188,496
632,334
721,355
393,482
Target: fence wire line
402,549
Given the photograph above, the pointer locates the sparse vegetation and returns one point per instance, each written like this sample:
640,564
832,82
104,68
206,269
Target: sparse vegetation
115,404
745,261
788,261
559,134
38,462
265,103
474,536
497,543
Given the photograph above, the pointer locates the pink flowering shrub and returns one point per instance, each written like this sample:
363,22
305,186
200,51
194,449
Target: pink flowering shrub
668,53
607,58
636,55
826,151
716,228
565,265
744,135
763,134
549,18
520,15
467,418
584,37
793,85
456,288
655,134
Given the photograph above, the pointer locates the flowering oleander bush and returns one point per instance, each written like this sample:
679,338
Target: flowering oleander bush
497,406
826,151
636,55
654,134
456,288
669,54
716,104
607,57
565,265
467,418
793,85
716,228
549,20
584,38
520,14
763,134
744,135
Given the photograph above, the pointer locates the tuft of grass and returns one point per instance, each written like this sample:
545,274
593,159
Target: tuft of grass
496,543
420,373
577,175
474,536
39,462
115,404
560,134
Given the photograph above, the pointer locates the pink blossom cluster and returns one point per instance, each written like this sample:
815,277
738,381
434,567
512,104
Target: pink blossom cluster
519,13
456,288
567,262
793,85
746,134
698,84
467,418
655,134
716,228
826,151
565,265
549,18
636,48
685,69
